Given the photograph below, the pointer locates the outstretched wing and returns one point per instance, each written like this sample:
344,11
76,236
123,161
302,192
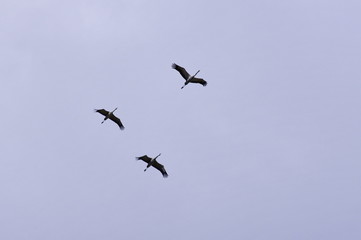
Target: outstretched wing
116,120
199,80
145,158
160,167
102,111
181,70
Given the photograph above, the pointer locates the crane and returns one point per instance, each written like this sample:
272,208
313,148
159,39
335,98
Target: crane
188,77
153,162
111,116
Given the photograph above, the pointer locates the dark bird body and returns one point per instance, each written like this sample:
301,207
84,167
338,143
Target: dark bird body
111,116
153,162
189,78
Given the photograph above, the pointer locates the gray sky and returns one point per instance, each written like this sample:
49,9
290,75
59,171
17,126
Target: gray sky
270,149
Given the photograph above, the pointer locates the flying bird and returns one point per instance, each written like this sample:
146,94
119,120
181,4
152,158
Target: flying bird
111,116
188,77
153,162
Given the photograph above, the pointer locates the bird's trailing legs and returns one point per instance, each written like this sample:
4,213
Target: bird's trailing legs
196,73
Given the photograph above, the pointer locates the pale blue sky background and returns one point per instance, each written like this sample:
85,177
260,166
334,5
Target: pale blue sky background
270,149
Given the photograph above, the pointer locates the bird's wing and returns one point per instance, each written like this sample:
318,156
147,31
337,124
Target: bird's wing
160,167
102,111
181,70
199,80
117,121
145,158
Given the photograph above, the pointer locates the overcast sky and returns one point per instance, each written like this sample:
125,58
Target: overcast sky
268,150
